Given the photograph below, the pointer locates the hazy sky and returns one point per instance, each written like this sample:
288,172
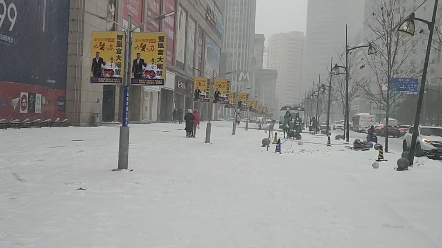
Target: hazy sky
276,16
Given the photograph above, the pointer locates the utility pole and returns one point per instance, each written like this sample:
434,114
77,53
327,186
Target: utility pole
209,123
317,105
347,78
123,147
329,97
431,26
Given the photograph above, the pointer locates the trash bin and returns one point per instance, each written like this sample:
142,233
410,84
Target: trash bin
96,119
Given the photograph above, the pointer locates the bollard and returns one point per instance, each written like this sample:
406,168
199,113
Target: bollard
381,154
278,146
328,141
403,164
265,142
275,138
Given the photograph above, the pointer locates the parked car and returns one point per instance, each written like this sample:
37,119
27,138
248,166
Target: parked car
403,129
428,143
392,131
339,125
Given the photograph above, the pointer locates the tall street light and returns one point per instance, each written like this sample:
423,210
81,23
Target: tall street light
209,123
335,72
329,97
371,51
248,110
123,147
408,27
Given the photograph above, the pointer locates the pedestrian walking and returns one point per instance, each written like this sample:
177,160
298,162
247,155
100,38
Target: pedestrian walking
180,115
189,118
196,122
174,115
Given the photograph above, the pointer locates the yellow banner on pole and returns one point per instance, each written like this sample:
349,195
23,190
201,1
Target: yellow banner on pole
222,89
148,59
201,89
107,53
253,104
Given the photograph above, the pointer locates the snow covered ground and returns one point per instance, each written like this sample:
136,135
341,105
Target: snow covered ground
231,193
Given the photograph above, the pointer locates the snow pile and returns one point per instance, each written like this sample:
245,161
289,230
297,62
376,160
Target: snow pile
56,192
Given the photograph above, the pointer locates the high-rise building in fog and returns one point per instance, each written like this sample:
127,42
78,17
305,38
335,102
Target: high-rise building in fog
325,35
264,80
285,56
238,38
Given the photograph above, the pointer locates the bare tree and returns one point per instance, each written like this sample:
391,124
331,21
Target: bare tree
356,81
393,57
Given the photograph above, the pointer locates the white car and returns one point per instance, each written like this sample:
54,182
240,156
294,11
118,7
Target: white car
429,141
339,125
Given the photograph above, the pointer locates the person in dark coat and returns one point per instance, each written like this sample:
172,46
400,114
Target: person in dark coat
180,115
97,64
189,118
174,115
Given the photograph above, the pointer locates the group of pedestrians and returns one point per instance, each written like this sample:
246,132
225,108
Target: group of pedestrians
192,119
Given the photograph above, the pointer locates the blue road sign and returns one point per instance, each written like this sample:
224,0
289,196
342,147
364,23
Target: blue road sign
405,85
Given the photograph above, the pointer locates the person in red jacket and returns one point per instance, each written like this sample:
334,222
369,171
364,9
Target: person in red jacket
196,122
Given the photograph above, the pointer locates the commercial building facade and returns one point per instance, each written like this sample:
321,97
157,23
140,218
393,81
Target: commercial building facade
57,85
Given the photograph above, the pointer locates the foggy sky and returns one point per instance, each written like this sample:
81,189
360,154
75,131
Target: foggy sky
276,16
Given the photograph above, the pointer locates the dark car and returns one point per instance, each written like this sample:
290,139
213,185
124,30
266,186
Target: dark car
392,131
403,129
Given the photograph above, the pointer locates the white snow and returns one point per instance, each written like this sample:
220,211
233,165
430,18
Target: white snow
231,193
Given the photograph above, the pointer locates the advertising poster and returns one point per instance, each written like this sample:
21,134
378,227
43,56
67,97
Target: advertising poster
222,89
231,98
133,8
201,89
169,27
23,102
33,48
244,99
190,46
212,57
153,10
213,16
148,59
107,53
253,104
38,103
199,51
31,102
181,38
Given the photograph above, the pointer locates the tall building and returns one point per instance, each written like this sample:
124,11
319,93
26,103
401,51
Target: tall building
238,39
325,35
264,80
258,51
285,56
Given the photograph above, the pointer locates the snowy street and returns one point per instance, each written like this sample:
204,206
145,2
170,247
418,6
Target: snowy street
58,189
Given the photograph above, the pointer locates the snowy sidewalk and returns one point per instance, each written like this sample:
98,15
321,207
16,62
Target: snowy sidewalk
184,193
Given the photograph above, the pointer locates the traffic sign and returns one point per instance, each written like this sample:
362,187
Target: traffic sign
405,85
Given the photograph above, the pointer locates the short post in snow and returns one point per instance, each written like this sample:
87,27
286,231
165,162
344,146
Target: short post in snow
278,146
328,141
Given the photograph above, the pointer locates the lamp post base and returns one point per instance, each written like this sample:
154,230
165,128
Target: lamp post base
123,149
208,132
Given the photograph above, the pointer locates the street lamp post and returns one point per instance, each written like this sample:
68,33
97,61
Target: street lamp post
317,106
371,51
329,97
123,146
209,123
408,27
